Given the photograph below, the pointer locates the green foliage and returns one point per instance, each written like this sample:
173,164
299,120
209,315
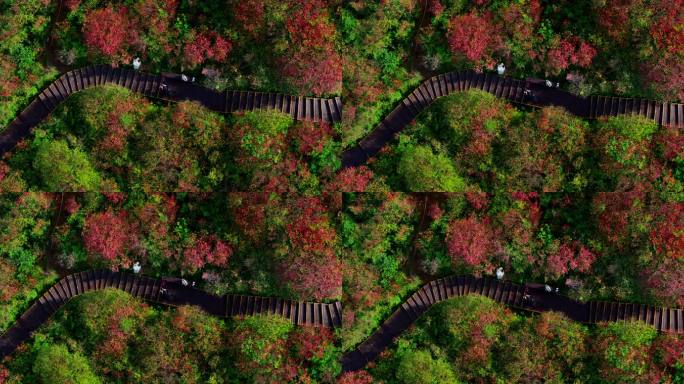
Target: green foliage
423,170
24,26
623,350
55,364
64,169
419,367
626,137
261,129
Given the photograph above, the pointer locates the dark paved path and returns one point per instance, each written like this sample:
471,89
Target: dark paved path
167,291
513,90
167,87
530,297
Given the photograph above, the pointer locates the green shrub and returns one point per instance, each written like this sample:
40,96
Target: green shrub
64,169
424,170
54,364
419,367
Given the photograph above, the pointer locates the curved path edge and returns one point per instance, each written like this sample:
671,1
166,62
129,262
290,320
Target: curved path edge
510,294
173,89
173,294
513,90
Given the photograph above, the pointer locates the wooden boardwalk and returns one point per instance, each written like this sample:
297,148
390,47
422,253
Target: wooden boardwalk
174,90
172,294
513,90
512,295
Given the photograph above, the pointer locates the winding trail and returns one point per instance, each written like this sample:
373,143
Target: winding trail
167,87
166,291
513,90
512,295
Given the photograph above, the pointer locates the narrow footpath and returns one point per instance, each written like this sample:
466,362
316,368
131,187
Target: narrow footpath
534,94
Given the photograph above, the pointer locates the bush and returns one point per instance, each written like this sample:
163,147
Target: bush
54,364
423,170
65,169
419,367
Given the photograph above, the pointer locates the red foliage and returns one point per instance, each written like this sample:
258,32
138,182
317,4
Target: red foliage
249,14
434,212
109,235
478,200
114,197
571,51
668,28
566,259
472,36
309,25
667,76
4,170
206,250
157,16
309,136
317,72
72,4
614,212
312,269
310,231
671,141
71,205
310,342
353,179
250,214
117,132
206,46
108,32
4,375
668,235
434,7
116,339
670,347
470,241
355,377
614,18
667,281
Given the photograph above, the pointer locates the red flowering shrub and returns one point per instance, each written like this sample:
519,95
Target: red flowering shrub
315,72
569,52
206,250
355,377
4,170
311,267
307,343
309,136
71,206
666,75
434,7
311,62
478,200
206,46
614,18
668,27
615,211
249,14
472,36
471,241
107,31
667,281
9,285
310,230
109,235
566,258
668,234
309,24
353,179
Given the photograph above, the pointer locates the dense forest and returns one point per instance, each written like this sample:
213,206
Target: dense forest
259,202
